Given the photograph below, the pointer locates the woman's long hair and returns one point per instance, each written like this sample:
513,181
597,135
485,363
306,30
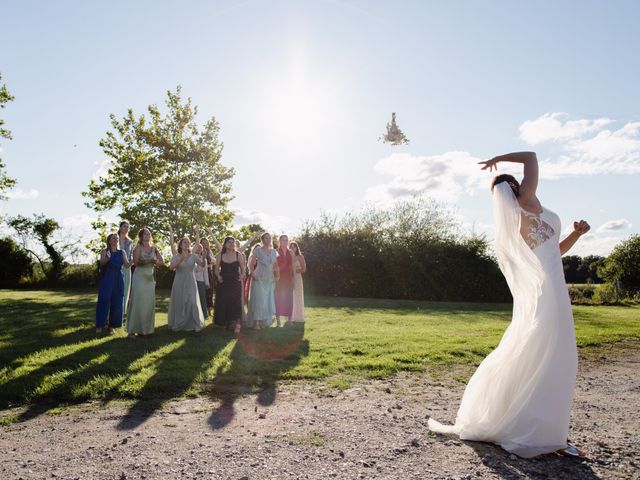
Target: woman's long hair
120,228
181,242
293,243
224,244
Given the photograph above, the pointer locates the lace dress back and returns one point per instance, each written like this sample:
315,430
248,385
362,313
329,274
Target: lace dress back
534,230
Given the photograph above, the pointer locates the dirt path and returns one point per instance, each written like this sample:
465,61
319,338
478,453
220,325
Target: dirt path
376,430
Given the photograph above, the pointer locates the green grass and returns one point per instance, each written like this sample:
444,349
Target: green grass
49,354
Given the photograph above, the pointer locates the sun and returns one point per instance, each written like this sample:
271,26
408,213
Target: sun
297,106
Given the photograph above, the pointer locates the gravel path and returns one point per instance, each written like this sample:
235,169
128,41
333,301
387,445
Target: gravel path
376,429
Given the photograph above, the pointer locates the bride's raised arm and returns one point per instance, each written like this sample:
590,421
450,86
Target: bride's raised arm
529,160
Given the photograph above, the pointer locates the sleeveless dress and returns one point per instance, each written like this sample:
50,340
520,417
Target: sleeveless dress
284,286
520,396
111,292
142,312
185,311
298,293
202,281
228,302
262,305
126,273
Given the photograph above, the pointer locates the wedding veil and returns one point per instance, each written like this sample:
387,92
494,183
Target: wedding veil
519,265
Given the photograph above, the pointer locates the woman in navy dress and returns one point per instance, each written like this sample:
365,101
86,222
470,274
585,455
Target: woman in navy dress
111,290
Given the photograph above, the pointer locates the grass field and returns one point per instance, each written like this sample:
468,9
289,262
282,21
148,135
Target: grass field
49,353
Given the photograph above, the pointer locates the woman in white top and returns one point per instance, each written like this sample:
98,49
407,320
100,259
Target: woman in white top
299,267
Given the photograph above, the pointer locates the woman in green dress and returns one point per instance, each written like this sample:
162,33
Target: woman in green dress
141,319
185,310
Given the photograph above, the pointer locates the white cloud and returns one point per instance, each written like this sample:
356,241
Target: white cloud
77,222
614,225
556,127
20,194
586,146
595,244
442,177
274,223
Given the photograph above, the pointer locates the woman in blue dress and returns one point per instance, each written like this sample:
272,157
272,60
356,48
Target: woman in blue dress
111,289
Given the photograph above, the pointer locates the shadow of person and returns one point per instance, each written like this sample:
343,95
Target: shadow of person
65,380
510,466
31,325
258,361
176,372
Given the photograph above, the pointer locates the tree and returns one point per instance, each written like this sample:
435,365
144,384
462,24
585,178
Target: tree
164,170
5,181
582,269
16,263
41,229
622,267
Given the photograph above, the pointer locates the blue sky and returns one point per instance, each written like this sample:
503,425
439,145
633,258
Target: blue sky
302,91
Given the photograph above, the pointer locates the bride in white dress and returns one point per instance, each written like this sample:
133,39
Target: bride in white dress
520,396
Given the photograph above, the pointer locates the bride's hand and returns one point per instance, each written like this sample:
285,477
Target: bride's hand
581,227
490,164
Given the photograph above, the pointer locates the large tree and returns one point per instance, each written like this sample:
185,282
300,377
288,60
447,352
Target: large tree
5,182
164,170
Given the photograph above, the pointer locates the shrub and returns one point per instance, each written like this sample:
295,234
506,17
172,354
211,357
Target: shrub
412,251
605,294
84,275
622,267
16,263
581,293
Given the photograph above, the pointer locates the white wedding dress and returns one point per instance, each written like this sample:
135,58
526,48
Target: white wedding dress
520,396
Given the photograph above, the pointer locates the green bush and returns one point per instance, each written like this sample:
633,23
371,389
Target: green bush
85,275
412,251
622,267
605,294
164,277
16,264
581,293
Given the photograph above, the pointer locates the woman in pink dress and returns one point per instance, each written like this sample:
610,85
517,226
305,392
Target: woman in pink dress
284,286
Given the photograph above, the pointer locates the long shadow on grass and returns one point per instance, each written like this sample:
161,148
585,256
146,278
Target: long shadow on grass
505,466
258,360
107,370
31,325
176,372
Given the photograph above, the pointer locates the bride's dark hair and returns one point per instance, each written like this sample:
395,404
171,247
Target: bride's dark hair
510,179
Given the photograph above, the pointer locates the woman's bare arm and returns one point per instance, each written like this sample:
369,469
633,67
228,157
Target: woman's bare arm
579,229
529,160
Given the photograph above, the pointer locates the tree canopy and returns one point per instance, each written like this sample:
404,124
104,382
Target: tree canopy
164,169
5,181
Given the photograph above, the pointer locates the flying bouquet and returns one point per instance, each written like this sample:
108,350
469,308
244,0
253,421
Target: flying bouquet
394,135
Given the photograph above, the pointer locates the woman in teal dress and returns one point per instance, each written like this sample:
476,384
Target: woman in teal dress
142,311
263,269
126,245
185,310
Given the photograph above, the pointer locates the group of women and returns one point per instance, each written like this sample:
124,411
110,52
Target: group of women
249,293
